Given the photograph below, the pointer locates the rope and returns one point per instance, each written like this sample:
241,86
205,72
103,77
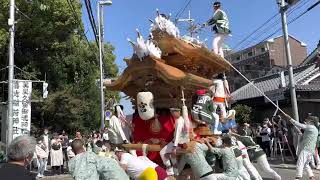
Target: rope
263,94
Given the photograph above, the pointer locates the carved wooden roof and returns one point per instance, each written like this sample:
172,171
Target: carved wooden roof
182,65
189,57
164,81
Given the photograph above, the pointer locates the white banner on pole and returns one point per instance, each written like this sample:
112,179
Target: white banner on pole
21,103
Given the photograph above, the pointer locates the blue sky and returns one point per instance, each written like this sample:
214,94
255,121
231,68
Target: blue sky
124,16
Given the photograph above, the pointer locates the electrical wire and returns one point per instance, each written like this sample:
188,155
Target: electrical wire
292,20
249,40
27,73
256,30
71,7
92,21
4,68
23,14
272,26
182,10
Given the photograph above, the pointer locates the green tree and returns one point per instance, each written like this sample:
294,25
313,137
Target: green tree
51,45
244,113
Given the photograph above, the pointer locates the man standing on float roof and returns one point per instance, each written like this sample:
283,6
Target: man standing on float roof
220,26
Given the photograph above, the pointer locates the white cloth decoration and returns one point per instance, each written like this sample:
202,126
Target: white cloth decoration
164,24
145,105
144,48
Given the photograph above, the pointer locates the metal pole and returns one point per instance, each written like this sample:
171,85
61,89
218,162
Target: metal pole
294,103
100,24
11,72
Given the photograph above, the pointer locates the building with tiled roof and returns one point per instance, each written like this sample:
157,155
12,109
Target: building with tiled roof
265,57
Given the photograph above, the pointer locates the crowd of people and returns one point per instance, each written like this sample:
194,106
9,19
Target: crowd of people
97,158
226,152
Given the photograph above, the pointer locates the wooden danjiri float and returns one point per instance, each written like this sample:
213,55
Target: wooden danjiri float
182,68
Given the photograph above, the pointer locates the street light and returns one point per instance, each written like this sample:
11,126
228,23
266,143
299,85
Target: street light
105,3
101,51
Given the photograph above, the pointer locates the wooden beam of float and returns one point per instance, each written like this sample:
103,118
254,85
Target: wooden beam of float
157,147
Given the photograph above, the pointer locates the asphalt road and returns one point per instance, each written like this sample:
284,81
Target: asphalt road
287,172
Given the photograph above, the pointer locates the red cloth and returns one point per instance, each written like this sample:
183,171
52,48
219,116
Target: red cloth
144,132
162,174
201,92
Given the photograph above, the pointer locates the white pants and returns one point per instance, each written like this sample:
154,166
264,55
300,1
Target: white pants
216,122
242,170
166,161
217,43
304,159
263,163
251,169
222,106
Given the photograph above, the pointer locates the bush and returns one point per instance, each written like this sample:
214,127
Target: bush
243,113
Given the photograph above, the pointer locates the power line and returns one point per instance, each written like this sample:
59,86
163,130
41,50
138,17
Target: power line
293,20
27,73
265,30
248,38
272,26
182,10
75,16
71,7
92,21
4,68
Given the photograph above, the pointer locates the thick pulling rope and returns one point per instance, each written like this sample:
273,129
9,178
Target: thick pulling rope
261,92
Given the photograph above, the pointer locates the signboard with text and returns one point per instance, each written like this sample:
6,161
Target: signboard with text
21,107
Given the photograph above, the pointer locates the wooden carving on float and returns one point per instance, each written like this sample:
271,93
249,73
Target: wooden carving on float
182,64
189,57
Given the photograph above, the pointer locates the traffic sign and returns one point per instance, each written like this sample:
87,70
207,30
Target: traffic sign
108,114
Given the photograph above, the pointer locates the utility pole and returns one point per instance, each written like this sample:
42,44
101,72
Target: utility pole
101,51
11,23
283,8
190,21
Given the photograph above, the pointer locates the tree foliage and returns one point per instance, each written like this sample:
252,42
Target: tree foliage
244,113
51,45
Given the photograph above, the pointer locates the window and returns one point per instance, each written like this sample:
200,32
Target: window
250,53
263,49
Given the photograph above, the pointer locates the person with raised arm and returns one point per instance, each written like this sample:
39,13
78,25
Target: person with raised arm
220,26
307,144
